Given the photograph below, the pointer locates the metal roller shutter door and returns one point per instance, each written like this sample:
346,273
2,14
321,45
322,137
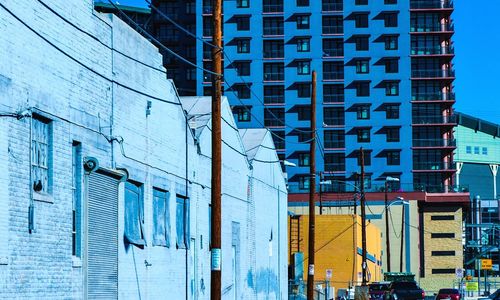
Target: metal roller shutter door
102,230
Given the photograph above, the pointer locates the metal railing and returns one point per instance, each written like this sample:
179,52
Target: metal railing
436,50
433,96
272,8
433,73
434,119
433,165
274,99
275,30
440,27
333,98
333,29
328,75
333,52
434,143
421,4
274,53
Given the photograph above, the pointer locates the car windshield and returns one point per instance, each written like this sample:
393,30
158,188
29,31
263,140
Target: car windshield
448,291
378,287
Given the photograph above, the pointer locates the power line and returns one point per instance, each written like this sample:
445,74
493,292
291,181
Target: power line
159,43
82,64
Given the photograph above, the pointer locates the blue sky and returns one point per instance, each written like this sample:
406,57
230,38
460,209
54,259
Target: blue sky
477,61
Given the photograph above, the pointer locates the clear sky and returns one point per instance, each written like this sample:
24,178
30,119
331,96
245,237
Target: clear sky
477,60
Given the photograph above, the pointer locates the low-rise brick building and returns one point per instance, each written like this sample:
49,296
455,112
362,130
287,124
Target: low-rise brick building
105,176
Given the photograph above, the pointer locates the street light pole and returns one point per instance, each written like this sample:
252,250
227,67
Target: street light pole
387,238
363,217
320,191
402,239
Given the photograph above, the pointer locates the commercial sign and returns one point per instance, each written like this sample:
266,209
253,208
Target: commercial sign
486,264
471,286
329,273
459,273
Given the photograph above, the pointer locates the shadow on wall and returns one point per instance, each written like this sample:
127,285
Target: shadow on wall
265,281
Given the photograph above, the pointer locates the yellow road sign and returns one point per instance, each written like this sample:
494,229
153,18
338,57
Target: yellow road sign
486,264
471,286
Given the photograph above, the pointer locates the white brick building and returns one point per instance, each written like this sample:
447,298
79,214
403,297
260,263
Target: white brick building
137,225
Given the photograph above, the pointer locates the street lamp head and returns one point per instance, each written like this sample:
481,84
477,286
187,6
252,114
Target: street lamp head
289,164
389,178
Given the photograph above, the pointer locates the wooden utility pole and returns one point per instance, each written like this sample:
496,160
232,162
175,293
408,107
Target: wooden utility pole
312,191
363,217
215,282
387,238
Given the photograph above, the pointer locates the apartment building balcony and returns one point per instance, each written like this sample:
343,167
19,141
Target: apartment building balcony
434,120
433,166
277,100
445,28
433,97
431,4
433,51
434,143
272,8
431,74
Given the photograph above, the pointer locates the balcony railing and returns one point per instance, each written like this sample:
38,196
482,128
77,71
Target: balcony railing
432,27
433,96
433,73
339,98
335,167
272,8
335,6
433,166
278,30
436,50
274,53
274,76
434,143
274,99
333,75
274,122
434,119
431,4
334,144
333,52
333,29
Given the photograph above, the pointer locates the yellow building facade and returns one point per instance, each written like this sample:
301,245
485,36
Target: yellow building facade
338,248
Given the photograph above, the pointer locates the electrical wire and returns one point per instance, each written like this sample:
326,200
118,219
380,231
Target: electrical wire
82,64
98,40
152,38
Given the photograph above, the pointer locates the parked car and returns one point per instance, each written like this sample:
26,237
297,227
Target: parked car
377,290
345,294
404,290
452,294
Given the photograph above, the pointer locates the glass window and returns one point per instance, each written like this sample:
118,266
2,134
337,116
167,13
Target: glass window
392,134
242,68
161,218
274,49
393,158
333,70
361,2
304,113
303,90
361,20
242,90
333,116
392,111
363,89
243,114
302,22
334,162
273,26
77,193
390,1
302,2
476,150
303,45
392,89
303,67
363,135
485,151
391,42
278,139
274,71
134,213
332,5
274,117
362,43
272,6
334,139
243,23
304,159
363,112
362,66
333,47
333,25
242,3
274,94
182,222
391,20
304,182
468,149
391,65
243,45
333,93
41,162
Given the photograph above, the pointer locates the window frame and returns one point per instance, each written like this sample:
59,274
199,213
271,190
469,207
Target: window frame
159,238
303,67
303,22
243,23
363,112
392,112
393,158
183,201
130,237
362,66
362,43
391,42
363,135
41,125
242,3
243,45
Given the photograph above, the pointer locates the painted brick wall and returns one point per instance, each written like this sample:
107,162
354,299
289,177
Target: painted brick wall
85,106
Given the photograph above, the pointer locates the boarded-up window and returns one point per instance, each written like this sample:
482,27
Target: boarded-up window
161,218
40,154
182,222
134,214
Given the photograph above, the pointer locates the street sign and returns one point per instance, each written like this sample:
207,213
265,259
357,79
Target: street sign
459,273
486,264
495,267
471,286
329,273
